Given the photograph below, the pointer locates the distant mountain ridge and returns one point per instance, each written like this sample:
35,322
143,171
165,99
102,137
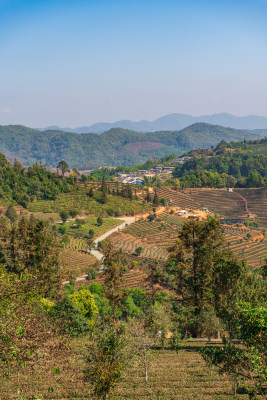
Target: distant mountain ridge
115,147
173,122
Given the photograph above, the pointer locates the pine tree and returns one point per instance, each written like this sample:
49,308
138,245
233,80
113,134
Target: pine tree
156,200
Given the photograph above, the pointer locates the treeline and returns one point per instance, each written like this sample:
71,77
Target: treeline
21,185
114,147
240,164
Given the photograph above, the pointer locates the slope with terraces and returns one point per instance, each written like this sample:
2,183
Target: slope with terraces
256,203
155,237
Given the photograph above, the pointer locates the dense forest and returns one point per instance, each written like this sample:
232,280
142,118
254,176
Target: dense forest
241,164
21,185
114,147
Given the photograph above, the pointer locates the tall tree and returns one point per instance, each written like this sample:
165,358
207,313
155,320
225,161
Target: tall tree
112,278
193,258
63,166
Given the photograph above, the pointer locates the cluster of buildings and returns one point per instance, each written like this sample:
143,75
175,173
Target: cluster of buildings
181,160
138,177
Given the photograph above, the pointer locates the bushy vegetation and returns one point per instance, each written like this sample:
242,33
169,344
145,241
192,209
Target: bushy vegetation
21,186
241,164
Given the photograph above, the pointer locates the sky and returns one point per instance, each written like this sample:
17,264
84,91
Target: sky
74,63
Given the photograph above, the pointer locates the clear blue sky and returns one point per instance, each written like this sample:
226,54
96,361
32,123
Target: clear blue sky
73,63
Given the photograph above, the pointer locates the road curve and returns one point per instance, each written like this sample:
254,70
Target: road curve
95,252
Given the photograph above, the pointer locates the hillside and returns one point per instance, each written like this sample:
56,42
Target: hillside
241,164
114,147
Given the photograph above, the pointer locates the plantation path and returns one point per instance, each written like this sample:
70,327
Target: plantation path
95,252
127,221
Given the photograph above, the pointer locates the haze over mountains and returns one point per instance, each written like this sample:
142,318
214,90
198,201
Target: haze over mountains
173,122
115,147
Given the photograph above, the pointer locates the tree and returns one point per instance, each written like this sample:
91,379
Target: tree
163,201
138,250
64,215
148,196
91,192
86,303
91,233
63,166
106,358
73,213
192,261
112,278
11,213
99,221
156,200
104,198
84,177
32,251
158,321
103,186
246,361
72,321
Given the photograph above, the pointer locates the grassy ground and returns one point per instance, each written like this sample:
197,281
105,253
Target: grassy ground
91,223
172,376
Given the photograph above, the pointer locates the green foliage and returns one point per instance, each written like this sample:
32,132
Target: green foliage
91,273
138,250
91,233
21,186
99,221
64,215
30,249
72,320
115,147
244,166
73,213
158,321
11,213
96,288
246,361
106,360
84,300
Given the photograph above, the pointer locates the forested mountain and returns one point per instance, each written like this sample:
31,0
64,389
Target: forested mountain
173,122
114,147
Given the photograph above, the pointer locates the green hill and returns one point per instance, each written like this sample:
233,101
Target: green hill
114,147
241,164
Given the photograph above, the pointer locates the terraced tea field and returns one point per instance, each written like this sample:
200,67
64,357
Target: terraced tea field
171,376
256,203
253,249
75,263
236,204
155,238
79,200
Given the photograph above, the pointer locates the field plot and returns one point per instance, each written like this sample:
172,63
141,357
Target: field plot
252,249
177,198
172,376
256,203
79,200
75,263
155,237
90,223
